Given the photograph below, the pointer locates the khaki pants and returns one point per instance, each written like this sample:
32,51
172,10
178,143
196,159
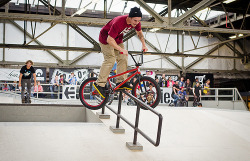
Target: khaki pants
110,56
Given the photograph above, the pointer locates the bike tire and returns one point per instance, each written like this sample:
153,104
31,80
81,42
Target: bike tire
85,98
155,85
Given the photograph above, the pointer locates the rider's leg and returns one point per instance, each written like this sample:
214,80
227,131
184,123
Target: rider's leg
22,90
108,63
122,64
28,89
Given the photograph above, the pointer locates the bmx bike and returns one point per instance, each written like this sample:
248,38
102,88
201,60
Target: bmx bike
91,99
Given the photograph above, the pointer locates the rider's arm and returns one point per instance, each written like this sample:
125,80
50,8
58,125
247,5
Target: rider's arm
111,41
141,37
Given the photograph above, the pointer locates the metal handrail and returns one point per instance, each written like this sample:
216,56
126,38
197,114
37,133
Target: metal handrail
135,127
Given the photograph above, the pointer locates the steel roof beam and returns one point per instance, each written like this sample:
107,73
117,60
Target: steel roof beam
78,49
201,5
101,22
144,5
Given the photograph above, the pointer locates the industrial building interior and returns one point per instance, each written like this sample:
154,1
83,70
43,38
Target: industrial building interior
194,39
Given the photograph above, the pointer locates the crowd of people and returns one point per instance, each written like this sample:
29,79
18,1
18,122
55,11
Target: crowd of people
182,88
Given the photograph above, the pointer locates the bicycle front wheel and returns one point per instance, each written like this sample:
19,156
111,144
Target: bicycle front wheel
90,97
148,91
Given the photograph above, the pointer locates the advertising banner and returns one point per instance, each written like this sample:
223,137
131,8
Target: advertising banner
80,74
166,95
69,92
203,77
7,74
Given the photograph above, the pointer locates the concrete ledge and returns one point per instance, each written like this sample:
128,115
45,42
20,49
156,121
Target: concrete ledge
103,116
132,146
115,130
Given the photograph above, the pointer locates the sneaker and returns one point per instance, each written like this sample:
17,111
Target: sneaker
23,100
100,90
124,86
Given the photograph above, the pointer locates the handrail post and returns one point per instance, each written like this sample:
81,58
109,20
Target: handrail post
136,123
119,110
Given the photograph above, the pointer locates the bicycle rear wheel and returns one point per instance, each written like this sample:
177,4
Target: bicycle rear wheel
148,91
90,97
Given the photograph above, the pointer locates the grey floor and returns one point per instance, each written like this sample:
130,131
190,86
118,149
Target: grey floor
189,134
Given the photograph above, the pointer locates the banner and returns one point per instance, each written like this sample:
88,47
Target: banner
81,74
13,74
174,77
69,92
201,77
166,95
9,74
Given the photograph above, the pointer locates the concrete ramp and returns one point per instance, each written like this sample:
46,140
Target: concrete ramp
46,113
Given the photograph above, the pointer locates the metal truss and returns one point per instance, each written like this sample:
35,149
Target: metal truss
78,49
36,41
101,22
201,5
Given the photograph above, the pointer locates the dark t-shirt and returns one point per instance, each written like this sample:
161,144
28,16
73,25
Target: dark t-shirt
27,72
116,28
176,86
196,90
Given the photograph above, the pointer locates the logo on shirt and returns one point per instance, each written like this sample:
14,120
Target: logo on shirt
126,30
27,73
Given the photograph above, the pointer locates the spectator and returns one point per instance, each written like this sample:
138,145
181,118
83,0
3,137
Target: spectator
13,86
157,81
151,95
175,92
54,86
189,87
183,95
62,80
6,87
182,83
196,81
197,92
72,79
170,82
25,78
38,89
163,80
206,90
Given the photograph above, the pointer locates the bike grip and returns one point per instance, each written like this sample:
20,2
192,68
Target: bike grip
121,52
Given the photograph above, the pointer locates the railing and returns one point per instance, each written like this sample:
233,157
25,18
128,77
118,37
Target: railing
216,94
136,125
48,90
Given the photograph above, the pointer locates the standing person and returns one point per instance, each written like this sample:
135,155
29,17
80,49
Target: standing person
206,90
182,83
197,92
25,78
163,81
195,82
72,79
170,82
38,89
62,80
188,87
54,86
112,47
